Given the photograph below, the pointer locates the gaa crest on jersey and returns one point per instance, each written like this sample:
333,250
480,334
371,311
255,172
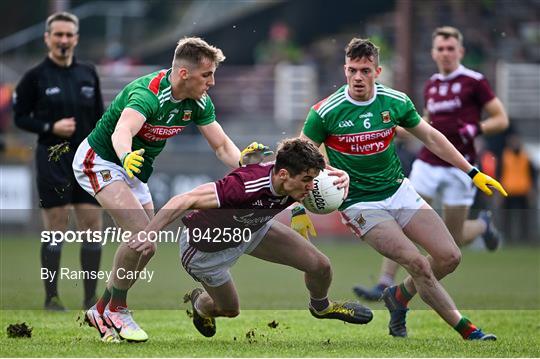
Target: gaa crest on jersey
106,175
456,87
187,115
385,115
346,123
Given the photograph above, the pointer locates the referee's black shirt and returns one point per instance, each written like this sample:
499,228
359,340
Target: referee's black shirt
48,93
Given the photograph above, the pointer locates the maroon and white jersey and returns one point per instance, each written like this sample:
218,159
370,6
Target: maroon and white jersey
246,200
452,101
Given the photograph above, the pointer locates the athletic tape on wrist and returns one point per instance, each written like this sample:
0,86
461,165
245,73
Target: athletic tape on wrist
473,172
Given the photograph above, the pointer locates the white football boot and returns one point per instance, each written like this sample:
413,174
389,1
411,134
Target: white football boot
95,320
125,326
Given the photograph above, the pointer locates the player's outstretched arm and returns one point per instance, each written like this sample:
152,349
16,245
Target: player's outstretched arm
202,197
437,143
226,151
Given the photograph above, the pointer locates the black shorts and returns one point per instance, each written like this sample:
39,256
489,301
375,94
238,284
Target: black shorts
56,183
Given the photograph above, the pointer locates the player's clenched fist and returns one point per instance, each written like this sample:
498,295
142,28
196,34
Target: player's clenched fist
132,162
483,182
469,131
254,153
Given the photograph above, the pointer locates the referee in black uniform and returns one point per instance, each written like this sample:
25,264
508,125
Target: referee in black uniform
60,100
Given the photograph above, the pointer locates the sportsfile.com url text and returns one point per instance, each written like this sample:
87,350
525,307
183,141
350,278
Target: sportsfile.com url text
109,235
117,235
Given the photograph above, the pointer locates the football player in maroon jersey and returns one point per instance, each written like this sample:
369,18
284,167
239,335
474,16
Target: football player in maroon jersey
233,216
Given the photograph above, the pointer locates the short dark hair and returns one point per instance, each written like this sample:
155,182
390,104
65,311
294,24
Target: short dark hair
194,50
359,48
446,32
297,155
61,16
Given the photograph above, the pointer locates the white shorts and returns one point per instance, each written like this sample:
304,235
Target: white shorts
454,185
94,173
212,268
401,207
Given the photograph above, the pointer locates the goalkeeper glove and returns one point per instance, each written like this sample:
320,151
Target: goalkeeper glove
469,131
482,181
132,162
254,153
301,222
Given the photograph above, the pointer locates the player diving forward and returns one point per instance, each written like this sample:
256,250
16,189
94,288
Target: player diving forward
249,198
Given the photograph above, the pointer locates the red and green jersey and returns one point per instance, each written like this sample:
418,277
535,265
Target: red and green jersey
358,137
151,96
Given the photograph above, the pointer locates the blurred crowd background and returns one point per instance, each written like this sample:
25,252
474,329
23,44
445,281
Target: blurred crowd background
282,57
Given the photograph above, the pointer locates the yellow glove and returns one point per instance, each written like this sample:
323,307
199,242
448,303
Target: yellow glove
301,222
482,181
254,153
132,162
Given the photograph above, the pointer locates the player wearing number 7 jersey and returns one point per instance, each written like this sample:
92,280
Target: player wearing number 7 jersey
357,124
115,162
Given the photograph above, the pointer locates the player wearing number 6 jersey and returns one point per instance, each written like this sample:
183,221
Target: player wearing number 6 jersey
235,216
357,125
115,162
454,99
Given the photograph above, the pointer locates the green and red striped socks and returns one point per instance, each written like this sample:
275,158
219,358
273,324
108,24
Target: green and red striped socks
103,301
402,295
465,327
118,299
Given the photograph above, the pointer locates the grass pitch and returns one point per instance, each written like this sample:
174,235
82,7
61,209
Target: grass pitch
297,335
499,292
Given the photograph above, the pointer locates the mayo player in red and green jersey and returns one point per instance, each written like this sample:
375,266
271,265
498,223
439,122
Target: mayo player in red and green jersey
164,117
114,163
357,125
454,99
